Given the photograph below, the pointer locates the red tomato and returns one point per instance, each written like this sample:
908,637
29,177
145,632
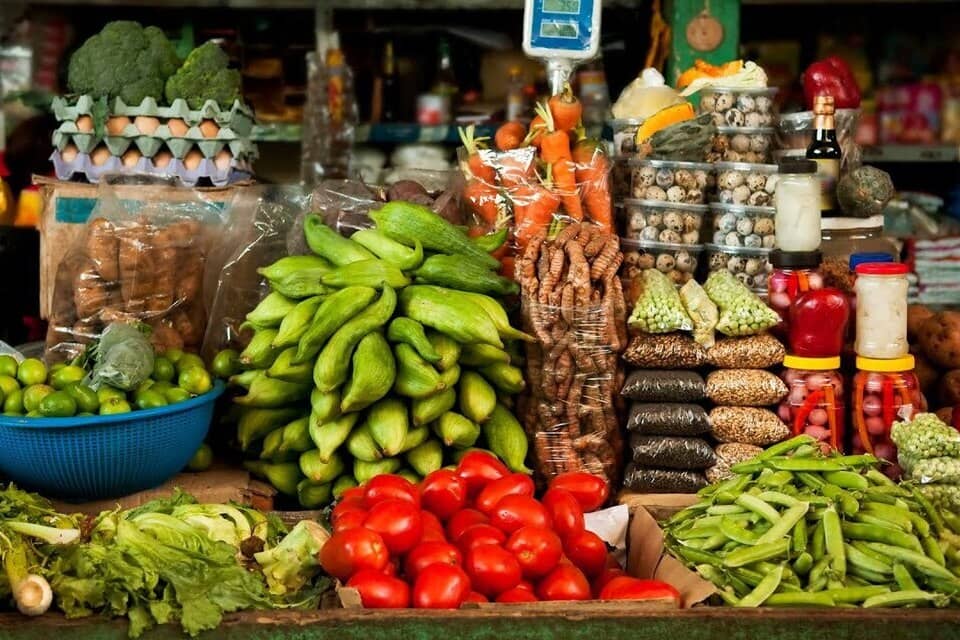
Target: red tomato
440,586
353,494
443,492
463,520
565,511
515,484
387,487
523,584
588,551
349,520
348,552
513,512
627,588
344,509
477,468
517,594
590,491
492,569
380,591
347,504
398,521
537,550
564,583
432,527
427,553
473,596
604,578
478,535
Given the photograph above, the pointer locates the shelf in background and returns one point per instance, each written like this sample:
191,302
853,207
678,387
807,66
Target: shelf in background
356,5
912,153
392,133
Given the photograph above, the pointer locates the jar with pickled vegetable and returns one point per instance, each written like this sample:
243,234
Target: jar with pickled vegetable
818,323
882,314
814,404
794,272
884,392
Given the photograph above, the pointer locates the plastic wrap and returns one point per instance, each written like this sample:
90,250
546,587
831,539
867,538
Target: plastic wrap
671,452
664,386
796,132
745,387
662,480
668,419
573,304
756,352
727,455
928,451
659,308
742,313
702,311
669,351
748,425
139,260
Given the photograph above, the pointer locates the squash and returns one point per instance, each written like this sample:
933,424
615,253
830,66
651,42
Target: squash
685,140
864,192
664,118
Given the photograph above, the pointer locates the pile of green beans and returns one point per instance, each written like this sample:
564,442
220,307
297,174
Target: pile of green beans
796,528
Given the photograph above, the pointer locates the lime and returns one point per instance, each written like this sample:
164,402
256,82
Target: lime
114,405
8,366
85,414
106,392
161,387
13,402
150,399
85,397
189,361
226,364
58,404
33,394
163,370
31,371
176,394
8,384
143,386
195,380
56,366
34,414
202,459
173,355
66,375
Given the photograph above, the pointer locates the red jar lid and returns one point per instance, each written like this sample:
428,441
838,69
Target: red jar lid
882,269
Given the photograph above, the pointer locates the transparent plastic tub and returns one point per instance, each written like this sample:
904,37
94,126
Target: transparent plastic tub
750,266
745,183
739,226
624,135
735,107
676,261
668,222
742,144
670,180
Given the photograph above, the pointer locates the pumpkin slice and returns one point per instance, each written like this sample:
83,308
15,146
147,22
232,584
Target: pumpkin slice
664,118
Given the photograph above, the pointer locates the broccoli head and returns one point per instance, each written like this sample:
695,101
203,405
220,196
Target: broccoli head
205,76
124,60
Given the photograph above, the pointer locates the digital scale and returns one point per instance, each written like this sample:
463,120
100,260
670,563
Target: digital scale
562,33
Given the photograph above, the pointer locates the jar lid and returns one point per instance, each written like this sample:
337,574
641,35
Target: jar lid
869,256
795,259
815,364
797,165
895,365
882,269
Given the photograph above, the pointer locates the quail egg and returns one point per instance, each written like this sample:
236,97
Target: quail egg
741,142
664,178
691,222
676,277
646,261
686,262
669,236
746,102
730,179
753,241
685,178
636,222
665,262
645,176
753,119
676,194
727,222
718,236
735,264
763,226
691,237
744,226
756,181
693,196
703,178
759,142
732,239
654,219
734,118
650,233
740,194
769,242
718,118
764,104
654,193
760,281
723,101
708,103
733,156
759,199
770,186
753,266
673,221
744,278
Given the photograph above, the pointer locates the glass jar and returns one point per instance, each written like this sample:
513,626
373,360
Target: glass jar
842,237
814,404
793,273
818,323
882,323
797,200
858,259
884,392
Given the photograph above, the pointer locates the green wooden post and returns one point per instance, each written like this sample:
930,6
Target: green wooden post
680,12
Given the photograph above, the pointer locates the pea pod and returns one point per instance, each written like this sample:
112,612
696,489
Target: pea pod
905,581
917,560
801,599
778,498
854,595
784,526
833,540
764,590
906,598
862,560
847,480
803,564
886,535
785,447
757,553
759,507
737,533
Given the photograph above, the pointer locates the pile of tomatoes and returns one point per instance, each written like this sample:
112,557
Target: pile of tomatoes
476,534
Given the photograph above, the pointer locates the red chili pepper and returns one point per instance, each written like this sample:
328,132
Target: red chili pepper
804,412
889,411
858,420
832,415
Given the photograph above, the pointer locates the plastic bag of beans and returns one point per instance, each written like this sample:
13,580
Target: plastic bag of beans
668,419
671,452
745,387
648,480
658,385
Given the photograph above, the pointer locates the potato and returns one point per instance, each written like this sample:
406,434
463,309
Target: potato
446,207
949,389
406,190
927,374
939,338
917,314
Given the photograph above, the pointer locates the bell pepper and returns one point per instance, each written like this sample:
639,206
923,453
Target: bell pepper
831,77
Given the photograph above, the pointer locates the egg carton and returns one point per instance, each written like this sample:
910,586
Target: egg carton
238,117
149,146
83,166
161,131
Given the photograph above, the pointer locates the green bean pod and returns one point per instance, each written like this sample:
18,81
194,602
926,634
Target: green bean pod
757,553
905,581
906,598
833,539
767,587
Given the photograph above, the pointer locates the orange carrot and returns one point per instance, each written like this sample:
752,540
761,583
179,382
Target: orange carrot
592,174
565,183
537,126
507,266
482,198
533,210
566,109
554,143
477,167
516,168
509,136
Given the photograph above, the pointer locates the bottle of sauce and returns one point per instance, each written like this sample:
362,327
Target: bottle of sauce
445,83
825,151
390,100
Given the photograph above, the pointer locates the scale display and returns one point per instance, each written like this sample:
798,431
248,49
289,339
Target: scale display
561,28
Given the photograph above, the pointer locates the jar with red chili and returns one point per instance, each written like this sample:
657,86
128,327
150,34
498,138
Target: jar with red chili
794,272
884,392
814,405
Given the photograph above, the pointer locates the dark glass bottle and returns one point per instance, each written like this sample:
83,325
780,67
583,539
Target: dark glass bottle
825,151
389,93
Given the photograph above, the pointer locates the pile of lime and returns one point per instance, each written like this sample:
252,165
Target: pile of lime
31,389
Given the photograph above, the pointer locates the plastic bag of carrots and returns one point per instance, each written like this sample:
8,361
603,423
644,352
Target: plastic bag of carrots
528,176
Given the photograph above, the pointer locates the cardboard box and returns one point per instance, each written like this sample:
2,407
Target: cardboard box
646,558
659,505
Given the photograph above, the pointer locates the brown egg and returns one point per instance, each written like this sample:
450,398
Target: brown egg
209,129
146,124
192,160
69,153
222,159
100,155
162,159
131,157
116,125
84,124
178,128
